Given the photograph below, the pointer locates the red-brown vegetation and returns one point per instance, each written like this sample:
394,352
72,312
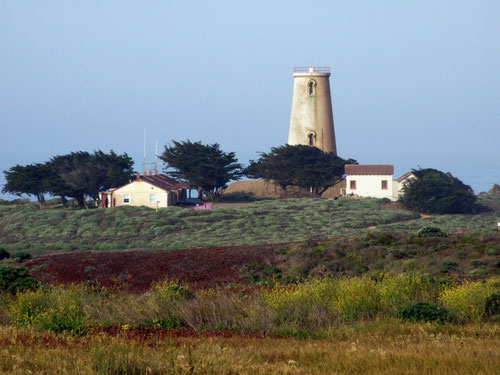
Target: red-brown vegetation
136,270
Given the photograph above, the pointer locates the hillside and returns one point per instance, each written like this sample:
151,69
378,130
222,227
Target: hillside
457,256
263,222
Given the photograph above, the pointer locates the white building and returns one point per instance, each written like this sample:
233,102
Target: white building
402,181
371,181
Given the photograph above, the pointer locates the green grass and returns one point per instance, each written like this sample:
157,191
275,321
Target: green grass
269,221
260,222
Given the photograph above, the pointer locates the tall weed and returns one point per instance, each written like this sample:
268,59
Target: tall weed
55,309
468,300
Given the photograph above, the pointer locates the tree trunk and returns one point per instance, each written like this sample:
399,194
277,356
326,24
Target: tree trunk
41,200
64,201
200,192
81,201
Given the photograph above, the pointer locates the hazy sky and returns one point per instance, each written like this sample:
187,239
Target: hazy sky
413,83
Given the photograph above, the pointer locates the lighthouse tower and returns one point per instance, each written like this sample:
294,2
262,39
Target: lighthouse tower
311,120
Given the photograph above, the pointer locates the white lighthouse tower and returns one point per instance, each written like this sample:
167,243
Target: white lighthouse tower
311,120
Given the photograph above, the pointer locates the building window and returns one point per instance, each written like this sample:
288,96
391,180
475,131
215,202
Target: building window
152,198
311,137
352,184
310,87
126,198
384,184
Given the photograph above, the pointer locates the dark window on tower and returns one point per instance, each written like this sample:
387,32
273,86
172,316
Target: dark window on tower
311,136
311,88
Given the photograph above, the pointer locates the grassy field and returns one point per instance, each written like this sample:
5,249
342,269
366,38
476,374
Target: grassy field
376,349
323,326
457,255
270,221
310,313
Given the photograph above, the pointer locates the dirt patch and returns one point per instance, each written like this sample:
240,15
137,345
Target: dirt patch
136,270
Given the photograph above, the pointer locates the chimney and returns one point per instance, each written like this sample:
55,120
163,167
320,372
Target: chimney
150,172
138,175
156,171
145,173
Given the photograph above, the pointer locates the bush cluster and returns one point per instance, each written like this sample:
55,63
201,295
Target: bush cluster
433,191
424,311
15,280
21,256
4,254
301,309
431,232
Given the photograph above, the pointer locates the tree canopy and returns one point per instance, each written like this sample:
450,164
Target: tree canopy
77,174
299,165
86,174
32,180
206,167
433,191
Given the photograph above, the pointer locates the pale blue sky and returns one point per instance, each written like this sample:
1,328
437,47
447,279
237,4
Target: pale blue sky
413,83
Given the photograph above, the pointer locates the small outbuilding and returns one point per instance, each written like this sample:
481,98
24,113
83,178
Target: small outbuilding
150,190
370,180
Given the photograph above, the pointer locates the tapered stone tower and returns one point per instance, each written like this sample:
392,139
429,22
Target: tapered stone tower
311,120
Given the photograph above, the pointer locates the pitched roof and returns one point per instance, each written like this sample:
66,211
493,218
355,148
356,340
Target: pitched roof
369,169
163,182
405,176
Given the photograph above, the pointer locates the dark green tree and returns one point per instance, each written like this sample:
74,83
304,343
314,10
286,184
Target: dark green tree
32,180
436,192
206,167
82,174
299,165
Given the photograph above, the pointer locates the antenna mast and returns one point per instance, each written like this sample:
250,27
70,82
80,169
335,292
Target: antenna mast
144,158
145,164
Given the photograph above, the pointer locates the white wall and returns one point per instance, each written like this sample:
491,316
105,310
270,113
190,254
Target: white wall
370,186
139,192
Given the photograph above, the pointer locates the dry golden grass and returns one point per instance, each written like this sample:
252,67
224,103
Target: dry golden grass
387,349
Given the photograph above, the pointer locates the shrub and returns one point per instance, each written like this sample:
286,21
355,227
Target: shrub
402,289
4,254
357,297
54,309
16,280
307,304
447,266
22,256
433,191
424,312
169,291
431,232
492,305
467,300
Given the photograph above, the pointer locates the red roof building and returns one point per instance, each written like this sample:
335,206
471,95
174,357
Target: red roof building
150,190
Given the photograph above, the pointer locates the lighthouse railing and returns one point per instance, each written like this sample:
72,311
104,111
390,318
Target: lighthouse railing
309,69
